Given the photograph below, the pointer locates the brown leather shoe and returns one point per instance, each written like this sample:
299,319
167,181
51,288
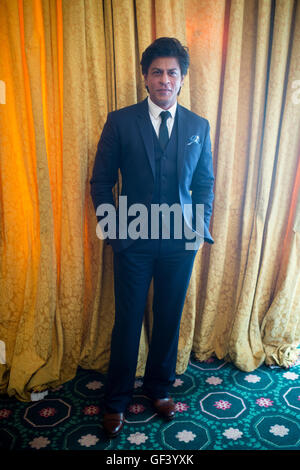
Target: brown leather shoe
113,423
165,408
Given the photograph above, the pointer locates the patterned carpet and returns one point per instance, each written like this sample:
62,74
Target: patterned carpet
218,408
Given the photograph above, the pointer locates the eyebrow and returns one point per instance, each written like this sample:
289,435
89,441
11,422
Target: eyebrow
175,69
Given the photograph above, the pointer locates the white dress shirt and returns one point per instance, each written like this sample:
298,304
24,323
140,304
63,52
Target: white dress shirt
154,112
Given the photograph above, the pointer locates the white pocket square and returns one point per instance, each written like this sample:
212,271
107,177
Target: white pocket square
195,139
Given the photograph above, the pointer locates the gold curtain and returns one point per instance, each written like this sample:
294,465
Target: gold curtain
63,65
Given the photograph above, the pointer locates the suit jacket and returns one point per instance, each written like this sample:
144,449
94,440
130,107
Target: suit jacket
126,143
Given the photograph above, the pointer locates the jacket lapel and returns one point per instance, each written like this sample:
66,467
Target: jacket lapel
145,126
182,139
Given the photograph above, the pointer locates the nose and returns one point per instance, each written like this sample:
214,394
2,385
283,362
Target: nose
164,78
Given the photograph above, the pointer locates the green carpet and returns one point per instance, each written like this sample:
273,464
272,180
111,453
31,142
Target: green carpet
218,408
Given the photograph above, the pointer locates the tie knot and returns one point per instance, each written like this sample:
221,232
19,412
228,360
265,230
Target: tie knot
165,115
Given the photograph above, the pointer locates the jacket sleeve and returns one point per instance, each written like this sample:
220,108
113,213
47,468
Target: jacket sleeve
105,171
203,179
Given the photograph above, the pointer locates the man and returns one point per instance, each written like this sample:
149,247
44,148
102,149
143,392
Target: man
163,159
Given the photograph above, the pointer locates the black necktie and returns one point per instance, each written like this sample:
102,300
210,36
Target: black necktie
163,135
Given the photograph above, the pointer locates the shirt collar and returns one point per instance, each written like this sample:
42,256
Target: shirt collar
156,110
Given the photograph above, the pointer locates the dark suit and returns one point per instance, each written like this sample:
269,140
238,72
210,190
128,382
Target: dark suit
128,143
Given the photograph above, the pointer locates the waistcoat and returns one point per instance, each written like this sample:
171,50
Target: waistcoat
166,179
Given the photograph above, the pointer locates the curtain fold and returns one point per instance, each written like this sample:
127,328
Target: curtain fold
277,167
66,64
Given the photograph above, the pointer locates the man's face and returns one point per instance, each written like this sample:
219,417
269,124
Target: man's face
164,81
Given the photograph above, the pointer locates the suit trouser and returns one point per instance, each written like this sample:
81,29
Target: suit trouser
170,266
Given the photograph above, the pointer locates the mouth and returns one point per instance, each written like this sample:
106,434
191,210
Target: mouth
163,90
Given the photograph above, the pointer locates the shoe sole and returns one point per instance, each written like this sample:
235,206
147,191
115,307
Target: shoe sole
112,436
167,418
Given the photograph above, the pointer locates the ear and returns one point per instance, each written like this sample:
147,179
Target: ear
146,82
181,83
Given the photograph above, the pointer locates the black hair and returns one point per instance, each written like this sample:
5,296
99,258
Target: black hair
166,47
